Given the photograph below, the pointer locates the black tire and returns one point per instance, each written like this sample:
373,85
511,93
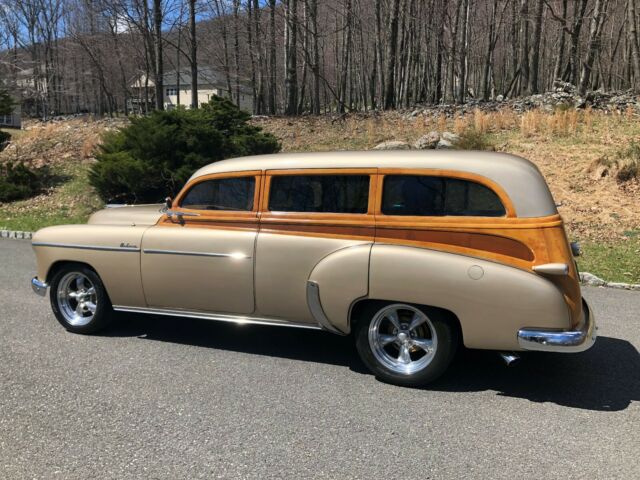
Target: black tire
379,358
95,308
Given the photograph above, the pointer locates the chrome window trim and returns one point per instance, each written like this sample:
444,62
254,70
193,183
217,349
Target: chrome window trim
154,251
85,247
223,317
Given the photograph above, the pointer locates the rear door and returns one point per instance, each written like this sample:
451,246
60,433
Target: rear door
306,215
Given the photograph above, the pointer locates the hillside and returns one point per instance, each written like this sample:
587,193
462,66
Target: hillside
567,145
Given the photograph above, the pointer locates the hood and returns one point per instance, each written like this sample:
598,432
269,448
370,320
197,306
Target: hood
127,215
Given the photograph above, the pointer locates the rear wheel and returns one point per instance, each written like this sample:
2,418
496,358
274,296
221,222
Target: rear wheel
79,299
404,344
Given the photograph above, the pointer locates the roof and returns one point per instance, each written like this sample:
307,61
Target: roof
521,179
206,76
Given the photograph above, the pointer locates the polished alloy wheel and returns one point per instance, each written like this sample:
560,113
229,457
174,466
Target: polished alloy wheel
77,299
402,338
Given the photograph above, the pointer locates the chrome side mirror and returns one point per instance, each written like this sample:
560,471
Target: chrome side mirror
168,203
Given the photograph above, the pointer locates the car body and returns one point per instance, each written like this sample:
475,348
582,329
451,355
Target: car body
320,240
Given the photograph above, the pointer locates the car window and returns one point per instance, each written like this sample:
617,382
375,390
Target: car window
319,193
422,195
221,194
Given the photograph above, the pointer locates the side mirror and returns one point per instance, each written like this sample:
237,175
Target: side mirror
168,202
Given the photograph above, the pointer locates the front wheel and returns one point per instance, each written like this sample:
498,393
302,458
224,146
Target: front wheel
79,300
404,345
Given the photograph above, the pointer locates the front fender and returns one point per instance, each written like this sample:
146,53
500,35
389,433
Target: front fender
112,251
492,301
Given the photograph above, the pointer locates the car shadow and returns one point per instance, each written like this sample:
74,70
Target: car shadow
604,378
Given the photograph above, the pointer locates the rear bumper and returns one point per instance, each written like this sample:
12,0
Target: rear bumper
569,341
39,287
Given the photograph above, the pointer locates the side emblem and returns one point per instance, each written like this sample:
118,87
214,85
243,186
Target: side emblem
127,245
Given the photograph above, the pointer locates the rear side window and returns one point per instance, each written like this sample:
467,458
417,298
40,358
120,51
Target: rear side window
426,196
221,194
319,193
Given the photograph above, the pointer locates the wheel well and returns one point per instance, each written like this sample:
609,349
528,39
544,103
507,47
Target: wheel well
55,268
365,304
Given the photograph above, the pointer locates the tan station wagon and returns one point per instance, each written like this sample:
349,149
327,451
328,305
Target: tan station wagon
411,253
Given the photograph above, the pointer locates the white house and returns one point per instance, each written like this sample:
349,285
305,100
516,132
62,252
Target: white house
177,89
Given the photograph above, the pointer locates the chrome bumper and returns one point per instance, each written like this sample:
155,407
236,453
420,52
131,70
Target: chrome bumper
39,287
569,341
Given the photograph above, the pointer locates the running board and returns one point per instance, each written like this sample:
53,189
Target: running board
237,319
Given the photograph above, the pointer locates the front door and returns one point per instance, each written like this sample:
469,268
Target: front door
204,259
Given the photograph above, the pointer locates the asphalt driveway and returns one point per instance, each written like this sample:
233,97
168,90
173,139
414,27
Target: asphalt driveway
158,397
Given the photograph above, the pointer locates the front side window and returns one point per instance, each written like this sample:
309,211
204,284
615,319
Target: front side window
319,193
221,194
421,195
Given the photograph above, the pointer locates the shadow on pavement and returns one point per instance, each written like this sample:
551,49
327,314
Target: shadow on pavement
604,378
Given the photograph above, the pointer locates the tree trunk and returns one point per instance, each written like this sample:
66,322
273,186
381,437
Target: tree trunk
291,66
389,96
633,43
598,18
157,40
193,54
535,48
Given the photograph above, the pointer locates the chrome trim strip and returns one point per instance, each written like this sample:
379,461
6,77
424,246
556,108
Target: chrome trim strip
39,287
154,251
223,317
315,306
85,247
552,269
569,341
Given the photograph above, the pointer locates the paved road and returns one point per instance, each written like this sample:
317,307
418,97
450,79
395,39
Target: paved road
175,398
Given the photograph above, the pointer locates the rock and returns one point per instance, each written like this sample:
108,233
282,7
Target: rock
499,98
450,137
444,144
591,280
428,141
392,145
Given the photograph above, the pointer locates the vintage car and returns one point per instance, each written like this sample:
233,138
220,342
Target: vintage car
411,253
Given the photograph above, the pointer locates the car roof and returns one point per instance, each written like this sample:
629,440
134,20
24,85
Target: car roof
521,179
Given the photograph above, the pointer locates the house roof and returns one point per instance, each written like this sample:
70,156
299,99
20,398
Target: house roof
520,179
206,76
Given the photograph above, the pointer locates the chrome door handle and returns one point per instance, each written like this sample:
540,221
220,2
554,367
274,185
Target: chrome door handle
180,215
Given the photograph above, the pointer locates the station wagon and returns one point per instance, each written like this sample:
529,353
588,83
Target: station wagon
412,253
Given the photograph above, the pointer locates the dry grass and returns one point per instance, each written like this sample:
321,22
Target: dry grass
564,144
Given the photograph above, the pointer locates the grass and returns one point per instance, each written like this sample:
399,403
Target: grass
617,262
72,200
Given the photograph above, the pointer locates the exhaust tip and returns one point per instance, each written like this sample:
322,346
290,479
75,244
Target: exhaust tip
509,358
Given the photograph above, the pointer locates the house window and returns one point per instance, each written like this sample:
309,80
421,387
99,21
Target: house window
172,91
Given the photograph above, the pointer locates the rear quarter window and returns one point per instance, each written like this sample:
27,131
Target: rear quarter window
430,196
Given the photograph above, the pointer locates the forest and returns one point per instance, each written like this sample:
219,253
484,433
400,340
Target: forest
311,56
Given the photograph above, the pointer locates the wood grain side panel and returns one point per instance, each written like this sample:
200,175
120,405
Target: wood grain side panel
473,241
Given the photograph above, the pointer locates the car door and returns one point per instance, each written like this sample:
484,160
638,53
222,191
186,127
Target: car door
201,256
306,215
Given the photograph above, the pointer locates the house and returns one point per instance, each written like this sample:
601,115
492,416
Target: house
177,90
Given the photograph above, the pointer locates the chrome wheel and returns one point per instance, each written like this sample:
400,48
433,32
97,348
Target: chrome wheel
402,338
77,299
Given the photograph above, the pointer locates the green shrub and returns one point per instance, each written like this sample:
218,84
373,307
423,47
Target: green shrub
155,155
18,182
4,138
